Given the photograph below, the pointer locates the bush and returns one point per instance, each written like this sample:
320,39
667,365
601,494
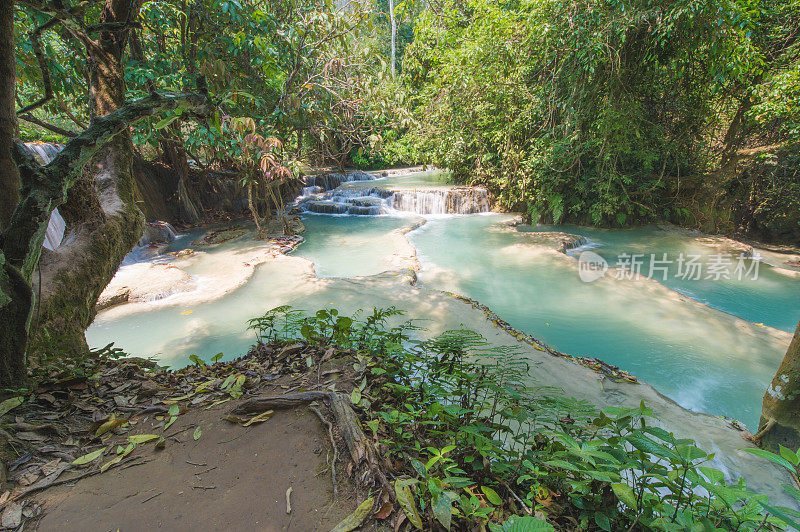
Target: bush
479,444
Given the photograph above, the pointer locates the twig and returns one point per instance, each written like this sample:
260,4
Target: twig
151,497
34,489
204,487
137,463
335,450
289,500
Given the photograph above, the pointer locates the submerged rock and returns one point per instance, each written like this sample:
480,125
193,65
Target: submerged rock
218,237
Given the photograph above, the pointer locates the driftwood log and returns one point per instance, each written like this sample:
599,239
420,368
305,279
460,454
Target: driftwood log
361,449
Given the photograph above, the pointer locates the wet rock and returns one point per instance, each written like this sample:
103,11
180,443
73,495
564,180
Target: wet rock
572,242
218,237
157,233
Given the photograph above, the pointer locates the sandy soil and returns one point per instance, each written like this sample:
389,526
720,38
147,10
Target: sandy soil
231,478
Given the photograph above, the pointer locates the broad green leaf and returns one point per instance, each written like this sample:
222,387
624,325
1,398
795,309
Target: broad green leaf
772,457
10,404
602,521
204,386
142,438
355,396
527,524
789,455
625,494
492,495
443,508
406,500
354,520
165,122
197,433
781,515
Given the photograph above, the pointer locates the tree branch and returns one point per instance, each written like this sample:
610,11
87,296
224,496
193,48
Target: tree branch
37,51
45,187
50,127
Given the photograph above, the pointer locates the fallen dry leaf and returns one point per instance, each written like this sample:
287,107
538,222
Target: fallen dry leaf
384,511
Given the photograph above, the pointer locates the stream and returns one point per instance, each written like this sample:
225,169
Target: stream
712,345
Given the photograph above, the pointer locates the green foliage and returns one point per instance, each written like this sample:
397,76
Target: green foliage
606,112
480,444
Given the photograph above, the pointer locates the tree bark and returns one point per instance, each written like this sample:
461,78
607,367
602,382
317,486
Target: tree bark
780,411
76,273
9,175
394,34
101,238
174,155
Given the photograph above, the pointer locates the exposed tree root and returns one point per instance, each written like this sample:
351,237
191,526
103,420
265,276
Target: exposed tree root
362,451
335,450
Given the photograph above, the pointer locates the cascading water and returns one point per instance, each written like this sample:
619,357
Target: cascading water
361,200
44,152
331,181
158,232
458,200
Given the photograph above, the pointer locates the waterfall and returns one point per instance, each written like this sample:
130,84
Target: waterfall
457,200
572,242
44,152
374,201
325,194
331,181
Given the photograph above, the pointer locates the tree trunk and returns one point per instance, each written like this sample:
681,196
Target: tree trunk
74,275
394,33
780,411
9,174
175,156
251,204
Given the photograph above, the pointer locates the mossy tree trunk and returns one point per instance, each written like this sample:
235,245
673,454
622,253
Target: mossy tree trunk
76,273
9,174
105,222
780,411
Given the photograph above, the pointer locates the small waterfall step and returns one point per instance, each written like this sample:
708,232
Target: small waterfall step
324,195
331,181
456,200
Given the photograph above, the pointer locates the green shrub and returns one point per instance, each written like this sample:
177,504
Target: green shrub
480,444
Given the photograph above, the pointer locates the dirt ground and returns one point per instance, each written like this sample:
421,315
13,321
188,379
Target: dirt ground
231,478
